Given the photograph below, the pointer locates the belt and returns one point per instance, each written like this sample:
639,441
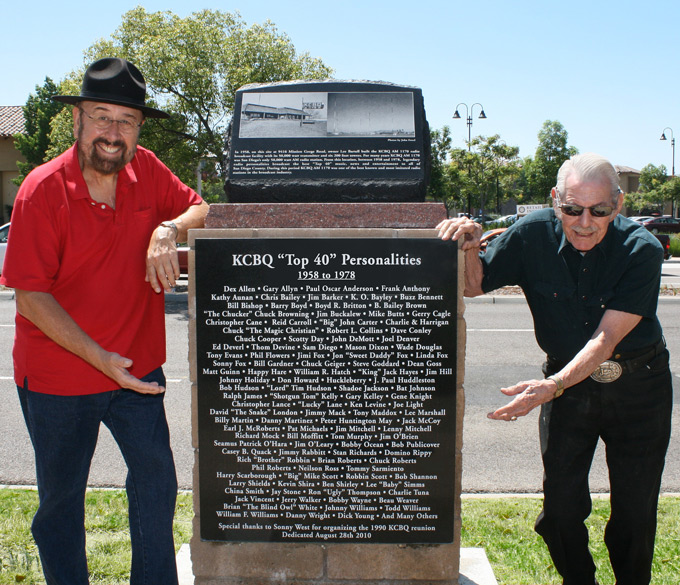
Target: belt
619,363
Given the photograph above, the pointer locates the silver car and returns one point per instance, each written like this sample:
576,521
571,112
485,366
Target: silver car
4,230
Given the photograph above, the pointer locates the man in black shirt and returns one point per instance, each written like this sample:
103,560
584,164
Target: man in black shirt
591,279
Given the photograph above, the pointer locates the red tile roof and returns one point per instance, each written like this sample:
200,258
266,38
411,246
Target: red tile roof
11,120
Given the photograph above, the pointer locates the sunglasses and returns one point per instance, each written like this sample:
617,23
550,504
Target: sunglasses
577,210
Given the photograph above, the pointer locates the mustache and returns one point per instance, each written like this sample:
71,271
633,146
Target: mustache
106,142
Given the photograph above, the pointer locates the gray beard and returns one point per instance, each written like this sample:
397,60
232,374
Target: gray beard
105,166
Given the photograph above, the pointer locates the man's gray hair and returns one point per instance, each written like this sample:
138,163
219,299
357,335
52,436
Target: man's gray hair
589,167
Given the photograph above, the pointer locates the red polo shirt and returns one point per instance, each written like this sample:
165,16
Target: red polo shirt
92,259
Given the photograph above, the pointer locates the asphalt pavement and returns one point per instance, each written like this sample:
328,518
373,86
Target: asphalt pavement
497,457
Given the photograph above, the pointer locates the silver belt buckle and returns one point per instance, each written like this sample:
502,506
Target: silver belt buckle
607,372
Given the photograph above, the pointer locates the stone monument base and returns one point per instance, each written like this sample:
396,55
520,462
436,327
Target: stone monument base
320,563
475,568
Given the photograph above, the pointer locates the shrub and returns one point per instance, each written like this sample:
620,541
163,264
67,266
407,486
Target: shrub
675,245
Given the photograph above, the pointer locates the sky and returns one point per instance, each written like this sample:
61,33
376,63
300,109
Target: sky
607,71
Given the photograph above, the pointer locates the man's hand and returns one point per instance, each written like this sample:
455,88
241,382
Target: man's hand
528,395
115,367
471,234
49,316
461,227
162,264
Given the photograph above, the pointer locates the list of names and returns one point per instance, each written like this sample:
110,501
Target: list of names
326,390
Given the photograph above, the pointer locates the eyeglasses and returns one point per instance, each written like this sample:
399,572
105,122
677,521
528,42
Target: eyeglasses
104,123
577,210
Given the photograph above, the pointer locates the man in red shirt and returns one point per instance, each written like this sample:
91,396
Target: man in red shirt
92,246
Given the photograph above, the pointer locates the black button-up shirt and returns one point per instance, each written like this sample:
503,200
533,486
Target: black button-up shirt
568,292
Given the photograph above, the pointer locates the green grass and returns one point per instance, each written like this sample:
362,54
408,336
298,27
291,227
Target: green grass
502,526
108,543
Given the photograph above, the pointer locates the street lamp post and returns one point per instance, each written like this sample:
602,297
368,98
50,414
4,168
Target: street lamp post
498,198
663,137
468,114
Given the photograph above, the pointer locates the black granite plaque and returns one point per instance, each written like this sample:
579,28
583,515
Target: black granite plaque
326,389
327,141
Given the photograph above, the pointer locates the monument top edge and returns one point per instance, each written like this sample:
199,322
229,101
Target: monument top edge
329,81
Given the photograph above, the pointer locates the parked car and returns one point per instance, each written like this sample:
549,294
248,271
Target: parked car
506,220
483,219
4,231
641,218
665,224
490,236
183,258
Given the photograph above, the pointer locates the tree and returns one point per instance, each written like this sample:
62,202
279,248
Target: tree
505,169
483,176
193,67
61,127
671,191
640,201
652,191
465,169
552,151
38,114
652,178
440,147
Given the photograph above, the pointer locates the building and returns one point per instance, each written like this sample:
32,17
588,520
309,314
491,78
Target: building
11,123
629,179
256,111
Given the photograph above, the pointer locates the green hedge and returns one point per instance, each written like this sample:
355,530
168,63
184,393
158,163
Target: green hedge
675,245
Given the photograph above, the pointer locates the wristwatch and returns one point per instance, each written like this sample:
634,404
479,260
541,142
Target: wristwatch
560,385
169,224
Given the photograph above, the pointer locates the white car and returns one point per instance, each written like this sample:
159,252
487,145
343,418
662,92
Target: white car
4,230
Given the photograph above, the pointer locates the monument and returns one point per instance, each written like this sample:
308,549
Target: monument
328,142
326,348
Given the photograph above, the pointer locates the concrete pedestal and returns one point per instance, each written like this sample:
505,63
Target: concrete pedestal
475,568
256,563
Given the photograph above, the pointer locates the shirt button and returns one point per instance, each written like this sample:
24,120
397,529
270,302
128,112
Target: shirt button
584,297
585,270
92,203
103,206
587,323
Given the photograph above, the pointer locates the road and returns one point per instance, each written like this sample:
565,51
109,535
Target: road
670,273
108,468
497,456
501,350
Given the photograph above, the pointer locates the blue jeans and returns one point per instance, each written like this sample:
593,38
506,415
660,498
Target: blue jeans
64,431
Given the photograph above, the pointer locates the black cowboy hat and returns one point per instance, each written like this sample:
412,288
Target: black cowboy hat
114,81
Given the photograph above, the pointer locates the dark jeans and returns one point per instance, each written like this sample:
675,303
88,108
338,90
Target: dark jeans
64,431
633,417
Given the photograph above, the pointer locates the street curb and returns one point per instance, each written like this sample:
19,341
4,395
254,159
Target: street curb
484,299
503,299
